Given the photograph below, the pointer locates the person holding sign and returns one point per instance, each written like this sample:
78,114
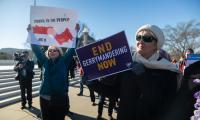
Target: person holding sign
191,83
182,63
54,86
153,79
147,91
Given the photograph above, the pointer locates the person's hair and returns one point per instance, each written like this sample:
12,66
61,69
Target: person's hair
190,50
57,48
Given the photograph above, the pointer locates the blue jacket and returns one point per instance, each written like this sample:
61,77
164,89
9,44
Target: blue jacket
55,73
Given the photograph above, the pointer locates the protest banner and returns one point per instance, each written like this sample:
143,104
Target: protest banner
106,57
192,58
53,26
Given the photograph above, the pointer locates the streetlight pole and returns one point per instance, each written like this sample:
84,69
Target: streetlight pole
34,2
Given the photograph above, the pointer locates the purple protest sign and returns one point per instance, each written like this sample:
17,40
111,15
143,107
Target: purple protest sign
106,57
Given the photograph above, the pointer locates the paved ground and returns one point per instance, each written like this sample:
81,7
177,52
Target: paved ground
80,105
10,67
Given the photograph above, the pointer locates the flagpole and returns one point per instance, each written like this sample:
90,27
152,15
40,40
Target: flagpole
34,2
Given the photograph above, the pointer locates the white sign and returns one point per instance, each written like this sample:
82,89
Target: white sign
53,26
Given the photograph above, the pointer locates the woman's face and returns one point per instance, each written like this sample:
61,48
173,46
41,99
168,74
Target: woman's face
146,44
53,52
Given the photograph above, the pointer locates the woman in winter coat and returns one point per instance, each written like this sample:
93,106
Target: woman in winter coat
54,86
146,92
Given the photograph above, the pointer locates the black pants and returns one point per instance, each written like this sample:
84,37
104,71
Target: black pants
92,95
50,112
71,71
110,106
26,87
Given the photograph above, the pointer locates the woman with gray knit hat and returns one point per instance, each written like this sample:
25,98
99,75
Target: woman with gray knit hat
153,80
147,91
149,40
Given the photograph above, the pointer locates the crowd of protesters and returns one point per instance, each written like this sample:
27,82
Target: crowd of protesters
156,88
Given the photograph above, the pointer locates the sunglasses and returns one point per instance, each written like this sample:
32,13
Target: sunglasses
145,38
53,50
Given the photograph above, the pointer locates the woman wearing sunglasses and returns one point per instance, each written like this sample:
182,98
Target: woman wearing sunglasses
147,91
153,80
54,87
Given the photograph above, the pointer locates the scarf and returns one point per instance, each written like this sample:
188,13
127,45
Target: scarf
154,63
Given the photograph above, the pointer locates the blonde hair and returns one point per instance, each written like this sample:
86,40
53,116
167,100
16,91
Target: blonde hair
54,47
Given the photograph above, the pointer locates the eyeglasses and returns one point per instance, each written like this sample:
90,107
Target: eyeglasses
53,50
145,38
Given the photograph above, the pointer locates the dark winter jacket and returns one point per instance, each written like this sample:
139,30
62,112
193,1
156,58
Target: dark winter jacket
28,68
147,94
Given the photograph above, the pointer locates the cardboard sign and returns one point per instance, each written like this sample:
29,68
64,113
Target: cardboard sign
106,57
53,26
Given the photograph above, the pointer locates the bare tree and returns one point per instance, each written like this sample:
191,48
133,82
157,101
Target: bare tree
181,37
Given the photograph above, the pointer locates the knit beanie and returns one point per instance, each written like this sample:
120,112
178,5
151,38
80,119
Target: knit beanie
156,31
